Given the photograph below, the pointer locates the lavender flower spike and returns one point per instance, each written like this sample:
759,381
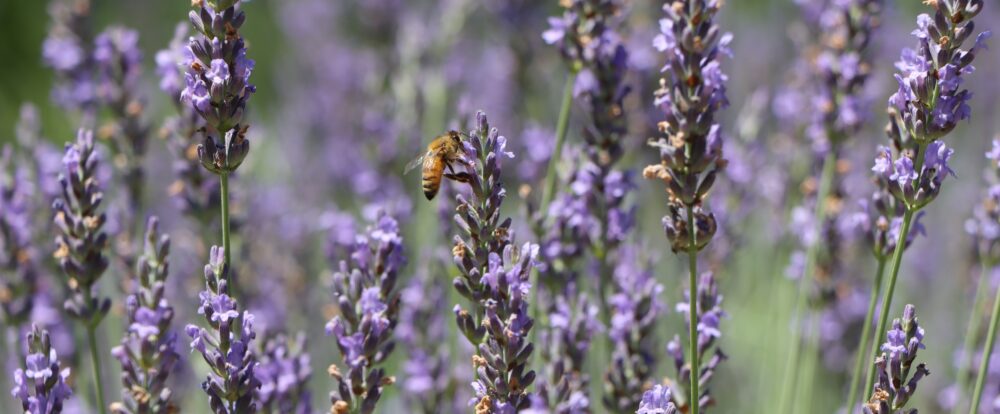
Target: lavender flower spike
494,277
369,305
896,383
81,242
17,256
708,314
41,386
692,90
147,352
284,373
227,346
217,82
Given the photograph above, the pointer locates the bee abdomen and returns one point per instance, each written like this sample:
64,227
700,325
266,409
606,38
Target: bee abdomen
431,183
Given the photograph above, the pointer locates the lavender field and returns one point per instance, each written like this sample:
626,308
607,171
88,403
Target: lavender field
499,206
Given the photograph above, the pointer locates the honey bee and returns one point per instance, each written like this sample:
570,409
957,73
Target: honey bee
441,152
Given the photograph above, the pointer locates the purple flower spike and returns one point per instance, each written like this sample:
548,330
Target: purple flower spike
930,102
41,387
691,144
365,292
147,352
494,277
82,241
217,83
895,370
66,50
284,373
226,345
18,258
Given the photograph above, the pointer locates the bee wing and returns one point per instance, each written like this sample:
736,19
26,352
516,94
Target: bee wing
415,163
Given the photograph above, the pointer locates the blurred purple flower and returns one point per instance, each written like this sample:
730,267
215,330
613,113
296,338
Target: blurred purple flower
41,386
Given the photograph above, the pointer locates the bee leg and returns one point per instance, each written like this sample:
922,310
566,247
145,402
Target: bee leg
460,177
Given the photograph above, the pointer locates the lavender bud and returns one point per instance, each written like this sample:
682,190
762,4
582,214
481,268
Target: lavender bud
895,382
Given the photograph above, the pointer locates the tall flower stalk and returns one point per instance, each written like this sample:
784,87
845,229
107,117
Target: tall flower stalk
494,277
690,93
217,87
984,227
81,243
709,314
838,67
366,294
227,344
589,39
927,106
147,352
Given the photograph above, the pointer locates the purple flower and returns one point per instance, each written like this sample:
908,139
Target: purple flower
66,51
364,289
284,373
81,240
217,83
170,61
18,257
494,277
428,375
921,72
658,400
147,352
41,386
895,370
226,347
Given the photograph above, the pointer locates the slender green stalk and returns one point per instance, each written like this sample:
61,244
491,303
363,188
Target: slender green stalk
795,347
866,330
693,312
897,259
562,127
95,359
984,364
224,190
972,331
810,361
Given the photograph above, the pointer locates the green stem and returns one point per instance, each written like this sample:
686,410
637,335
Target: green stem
562,127
897,259
693,312
809,364
96,361
866,331
224,204
795,347
984,364
975,323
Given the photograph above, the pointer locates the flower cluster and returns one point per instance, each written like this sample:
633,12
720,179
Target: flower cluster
41,386
587,35
284,373
17,261
572,328
227,347
896,383
929,103
369,304
635,308
880,220
494,277
689,95
427,369
984,226
147,354
195,191
658,400
81,242
217,82
118,67
67,51
709,314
